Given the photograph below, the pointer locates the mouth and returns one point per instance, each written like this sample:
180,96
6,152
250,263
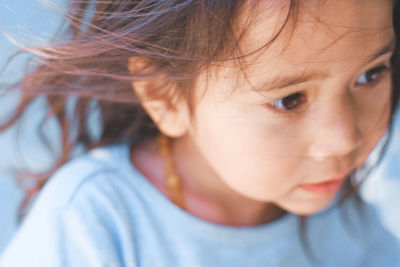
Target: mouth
326,187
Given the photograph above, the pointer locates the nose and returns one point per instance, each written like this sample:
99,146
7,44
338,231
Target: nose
335,132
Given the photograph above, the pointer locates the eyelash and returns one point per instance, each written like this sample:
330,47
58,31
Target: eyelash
380,71
301,98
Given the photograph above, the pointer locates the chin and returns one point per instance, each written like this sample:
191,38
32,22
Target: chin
306,208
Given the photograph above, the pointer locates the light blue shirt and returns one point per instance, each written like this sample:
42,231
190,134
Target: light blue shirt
98,210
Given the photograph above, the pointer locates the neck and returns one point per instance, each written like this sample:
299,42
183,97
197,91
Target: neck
205,195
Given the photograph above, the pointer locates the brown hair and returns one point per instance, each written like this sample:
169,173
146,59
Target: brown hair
177,39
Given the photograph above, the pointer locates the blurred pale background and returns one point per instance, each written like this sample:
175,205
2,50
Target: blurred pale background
32,22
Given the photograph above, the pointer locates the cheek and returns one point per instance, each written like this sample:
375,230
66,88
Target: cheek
246,152
375,115
375,112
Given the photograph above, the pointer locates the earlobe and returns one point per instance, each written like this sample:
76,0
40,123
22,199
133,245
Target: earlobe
171,118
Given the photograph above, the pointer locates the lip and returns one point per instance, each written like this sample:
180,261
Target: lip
329,186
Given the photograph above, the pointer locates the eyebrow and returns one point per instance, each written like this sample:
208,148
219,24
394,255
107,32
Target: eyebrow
283,81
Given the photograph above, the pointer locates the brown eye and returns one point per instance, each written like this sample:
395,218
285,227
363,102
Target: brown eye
288,103
372,76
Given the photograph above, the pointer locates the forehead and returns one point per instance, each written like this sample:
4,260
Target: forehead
315,31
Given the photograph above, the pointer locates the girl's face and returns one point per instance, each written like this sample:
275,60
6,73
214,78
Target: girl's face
309,109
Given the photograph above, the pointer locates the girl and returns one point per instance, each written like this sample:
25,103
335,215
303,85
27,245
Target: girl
224,125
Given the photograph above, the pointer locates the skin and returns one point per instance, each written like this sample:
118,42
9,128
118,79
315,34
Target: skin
242,156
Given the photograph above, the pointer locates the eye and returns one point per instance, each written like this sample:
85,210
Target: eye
290,102
373,75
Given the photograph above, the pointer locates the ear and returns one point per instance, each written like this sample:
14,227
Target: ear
171,117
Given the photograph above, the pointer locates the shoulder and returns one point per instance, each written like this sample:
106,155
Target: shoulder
96,172
82,215
101,186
